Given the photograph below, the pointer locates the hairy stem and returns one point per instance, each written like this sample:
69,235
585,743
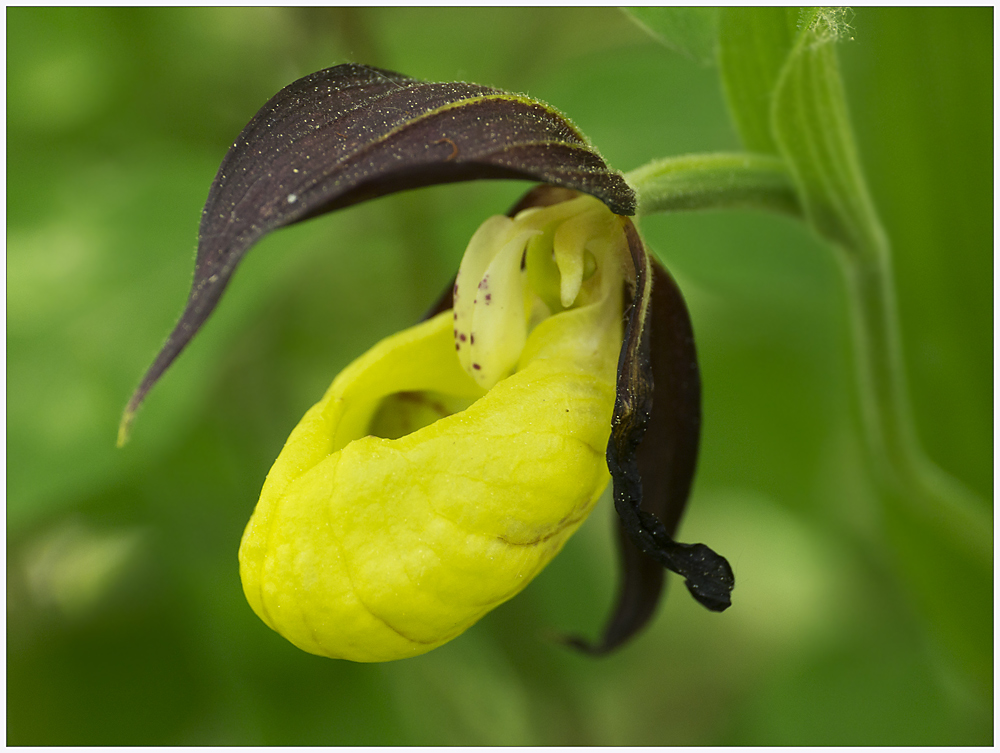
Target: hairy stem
715,181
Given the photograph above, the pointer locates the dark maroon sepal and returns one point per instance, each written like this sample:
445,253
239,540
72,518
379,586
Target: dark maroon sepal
352,133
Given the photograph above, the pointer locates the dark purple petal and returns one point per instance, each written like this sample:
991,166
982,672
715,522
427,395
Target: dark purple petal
652,455
352,133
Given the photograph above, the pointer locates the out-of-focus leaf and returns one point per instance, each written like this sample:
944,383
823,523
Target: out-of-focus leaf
690,31
754,44
352,133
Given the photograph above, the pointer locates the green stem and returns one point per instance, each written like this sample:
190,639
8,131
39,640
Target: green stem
932,495
812,128
715,181
940,532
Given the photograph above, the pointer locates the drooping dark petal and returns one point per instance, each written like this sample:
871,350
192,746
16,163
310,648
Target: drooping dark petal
352,133
652,455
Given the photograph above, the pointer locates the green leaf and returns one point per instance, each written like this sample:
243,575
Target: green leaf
812,127
689,31
754,44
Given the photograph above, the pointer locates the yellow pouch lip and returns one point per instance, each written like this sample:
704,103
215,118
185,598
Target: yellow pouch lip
319,445
358,389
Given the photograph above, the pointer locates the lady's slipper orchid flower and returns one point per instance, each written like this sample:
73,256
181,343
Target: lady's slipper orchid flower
443,469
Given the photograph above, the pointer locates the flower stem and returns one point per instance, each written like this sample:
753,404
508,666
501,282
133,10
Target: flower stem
715,181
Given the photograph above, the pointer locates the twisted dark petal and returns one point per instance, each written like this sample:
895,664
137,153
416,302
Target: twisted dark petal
352,133
652,455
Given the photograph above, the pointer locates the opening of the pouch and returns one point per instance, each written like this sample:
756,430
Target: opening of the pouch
403,413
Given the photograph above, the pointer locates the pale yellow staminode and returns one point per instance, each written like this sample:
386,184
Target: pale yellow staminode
412,499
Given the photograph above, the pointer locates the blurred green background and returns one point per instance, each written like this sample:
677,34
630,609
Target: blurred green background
126,623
